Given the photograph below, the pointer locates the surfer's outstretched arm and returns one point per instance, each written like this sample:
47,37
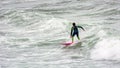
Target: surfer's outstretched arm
81,28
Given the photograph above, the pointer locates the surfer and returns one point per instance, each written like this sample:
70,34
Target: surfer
74,31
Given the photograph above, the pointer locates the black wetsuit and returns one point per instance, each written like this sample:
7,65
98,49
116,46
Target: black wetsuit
74,30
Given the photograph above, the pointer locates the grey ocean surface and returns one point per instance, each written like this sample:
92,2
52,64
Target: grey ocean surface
31,33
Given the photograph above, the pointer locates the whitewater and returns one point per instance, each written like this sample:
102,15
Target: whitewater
31,33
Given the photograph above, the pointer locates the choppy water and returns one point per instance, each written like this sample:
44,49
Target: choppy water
31,32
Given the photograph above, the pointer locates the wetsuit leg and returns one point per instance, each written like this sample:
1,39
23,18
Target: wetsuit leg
73,36
78,35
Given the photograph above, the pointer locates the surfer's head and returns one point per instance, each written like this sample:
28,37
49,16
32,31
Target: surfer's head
73,24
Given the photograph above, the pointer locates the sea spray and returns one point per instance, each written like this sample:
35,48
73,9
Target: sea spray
106,49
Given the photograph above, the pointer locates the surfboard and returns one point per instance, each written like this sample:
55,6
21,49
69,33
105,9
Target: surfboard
72,44
67,43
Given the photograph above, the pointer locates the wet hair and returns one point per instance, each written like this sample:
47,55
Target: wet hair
73,24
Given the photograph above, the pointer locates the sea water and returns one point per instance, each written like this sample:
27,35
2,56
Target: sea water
31,33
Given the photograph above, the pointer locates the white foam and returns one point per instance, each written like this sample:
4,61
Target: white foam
106,49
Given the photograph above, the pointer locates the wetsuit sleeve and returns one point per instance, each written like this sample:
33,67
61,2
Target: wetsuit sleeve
81,27
71,31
